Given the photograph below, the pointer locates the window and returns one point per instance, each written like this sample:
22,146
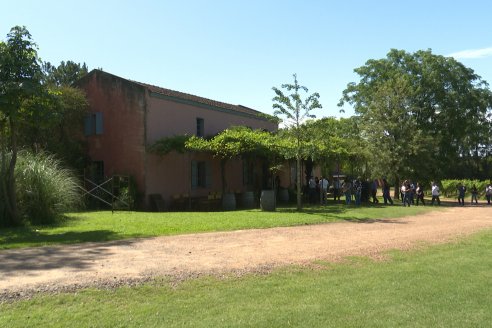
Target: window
200,174
200,127
93,124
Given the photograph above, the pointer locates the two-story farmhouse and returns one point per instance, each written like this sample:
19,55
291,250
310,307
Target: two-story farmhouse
127,116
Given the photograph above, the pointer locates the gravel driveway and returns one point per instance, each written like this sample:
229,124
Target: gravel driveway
64,268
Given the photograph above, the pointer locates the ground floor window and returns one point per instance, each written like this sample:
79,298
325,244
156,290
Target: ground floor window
200,174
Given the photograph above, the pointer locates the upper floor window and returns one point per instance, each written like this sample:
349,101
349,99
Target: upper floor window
200,127
93,124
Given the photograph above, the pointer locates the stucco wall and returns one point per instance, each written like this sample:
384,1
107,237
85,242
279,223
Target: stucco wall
168,118
121,146
171,174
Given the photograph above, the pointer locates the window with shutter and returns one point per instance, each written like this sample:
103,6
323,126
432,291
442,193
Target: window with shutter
93,124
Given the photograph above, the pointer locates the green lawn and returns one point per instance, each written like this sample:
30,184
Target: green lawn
105,226
439,286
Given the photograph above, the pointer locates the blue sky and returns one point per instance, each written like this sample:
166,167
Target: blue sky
236,51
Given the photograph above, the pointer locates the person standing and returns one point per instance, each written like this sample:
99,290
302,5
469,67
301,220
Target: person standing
405,193
312,190
474,194
347,190
461,194
323,187
374,191
412,192
336,189
488,193
386,193
435,194
420,193
357,186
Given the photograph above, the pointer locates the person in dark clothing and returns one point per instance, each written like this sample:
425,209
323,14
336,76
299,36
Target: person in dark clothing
374,191
386,193
419,191
461,194
336,189
474,194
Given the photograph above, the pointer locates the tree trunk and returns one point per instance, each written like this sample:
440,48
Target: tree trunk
396,193
299,182
11,195
5,210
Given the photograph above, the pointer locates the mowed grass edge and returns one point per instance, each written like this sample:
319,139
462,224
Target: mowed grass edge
446,285
107,226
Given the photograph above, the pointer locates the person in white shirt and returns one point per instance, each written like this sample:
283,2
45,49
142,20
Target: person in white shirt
488,193
435,194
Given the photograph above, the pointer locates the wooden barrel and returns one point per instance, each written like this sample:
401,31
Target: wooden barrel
228,202
248,199
267,200
283,195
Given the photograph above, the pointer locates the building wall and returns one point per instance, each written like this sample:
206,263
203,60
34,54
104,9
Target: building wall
170,175
168,118
121,146
134,117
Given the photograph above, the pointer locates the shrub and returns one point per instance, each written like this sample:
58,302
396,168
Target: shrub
44,189
449,187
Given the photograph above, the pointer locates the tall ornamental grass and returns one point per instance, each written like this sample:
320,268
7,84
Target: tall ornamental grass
45,189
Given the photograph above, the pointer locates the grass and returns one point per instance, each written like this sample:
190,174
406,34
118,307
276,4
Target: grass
439,286
105,226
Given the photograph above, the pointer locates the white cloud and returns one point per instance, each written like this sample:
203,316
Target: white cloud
472,53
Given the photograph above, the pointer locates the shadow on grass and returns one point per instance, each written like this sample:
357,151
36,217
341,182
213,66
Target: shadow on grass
78,256
341,212
34,237
368,220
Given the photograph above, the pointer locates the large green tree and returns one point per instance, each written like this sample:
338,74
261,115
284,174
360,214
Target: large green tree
65,74
335,144
20,76
294,109
424,114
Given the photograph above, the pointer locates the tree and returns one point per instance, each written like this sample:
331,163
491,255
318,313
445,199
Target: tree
295,110
420,110
20,76
66,74
50,121
332,140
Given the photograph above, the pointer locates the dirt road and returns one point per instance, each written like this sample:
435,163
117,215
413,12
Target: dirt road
26,271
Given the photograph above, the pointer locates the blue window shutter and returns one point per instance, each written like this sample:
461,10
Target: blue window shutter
99,123
87,125
208,174
194,174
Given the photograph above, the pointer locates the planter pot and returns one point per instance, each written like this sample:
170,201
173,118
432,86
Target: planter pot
267,200
229,202
248,199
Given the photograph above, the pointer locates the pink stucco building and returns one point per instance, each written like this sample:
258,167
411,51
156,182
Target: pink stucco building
127,116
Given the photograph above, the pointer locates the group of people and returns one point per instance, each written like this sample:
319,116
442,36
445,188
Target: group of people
410,191
359,191
461,190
